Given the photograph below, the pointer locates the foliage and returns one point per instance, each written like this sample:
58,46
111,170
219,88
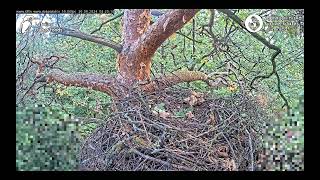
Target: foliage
45,139
250,56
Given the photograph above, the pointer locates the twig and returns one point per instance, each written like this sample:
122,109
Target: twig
251,153
235,18
188,37
89,120
160,161
233,153
111,19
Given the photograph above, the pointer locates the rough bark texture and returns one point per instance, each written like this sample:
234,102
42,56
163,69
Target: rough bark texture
176,78
132,63
140,40
97,82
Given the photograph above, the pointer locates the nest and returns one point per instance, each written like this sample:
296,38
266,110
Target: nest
216,134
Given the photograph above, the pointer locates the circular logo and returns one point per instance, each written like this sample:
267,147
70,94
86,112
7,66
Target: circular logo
254,23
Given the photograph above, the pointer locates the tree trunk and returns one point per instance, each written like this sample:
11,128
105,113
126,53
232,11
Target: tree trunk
133,63
140,40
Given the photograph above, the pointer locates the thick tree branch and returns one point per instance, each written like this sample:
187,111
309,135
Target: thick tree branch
97,82
140,41
164,27
180,77
87,37
110,86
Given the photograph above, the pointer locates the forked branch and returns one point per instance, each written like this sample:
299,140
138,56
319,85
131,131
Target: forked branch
164,27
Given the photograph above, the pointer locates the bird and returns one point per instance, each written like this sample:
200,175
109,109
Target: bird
155,15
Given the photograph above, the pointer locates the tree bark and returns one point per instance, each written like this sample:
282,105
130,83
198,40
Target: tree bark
177,77
93,81
132,64
141,40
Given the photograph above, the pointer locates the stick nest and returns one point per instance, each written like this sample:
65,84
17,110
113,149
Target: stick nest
177,130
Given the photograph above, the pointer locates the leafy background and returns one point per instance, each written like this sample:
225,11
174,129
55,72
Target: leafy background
49,135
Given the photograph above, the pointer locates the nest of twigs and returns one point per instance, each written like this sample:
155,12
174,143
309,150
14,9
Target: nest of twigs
192,131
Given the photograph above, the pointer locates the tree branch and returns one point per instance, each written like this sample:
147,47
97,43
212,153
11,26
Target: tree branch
235,18
210,25
87,37
286,103
109,20
164,27
189,37
266,43
97,82
177,77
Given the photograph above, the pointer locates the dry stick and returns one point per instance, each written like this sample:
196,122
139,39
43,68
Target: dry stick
141,163
210,25
112,150
266,43
160,161
293,57
207,55
111,19
188,37
184,49
251,153
193,37
24,71
113,30
234,155
144,127
194,137
281,94
128,119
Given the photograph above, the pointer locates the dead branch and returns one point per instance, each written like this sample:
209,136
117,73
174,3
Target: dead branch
92,38
107,21
189,37
251,152
160,161
210,25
